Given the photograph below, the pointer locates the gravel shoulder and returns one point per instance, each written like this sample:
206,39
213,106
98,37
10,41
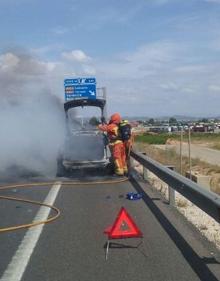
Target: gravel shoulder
203,222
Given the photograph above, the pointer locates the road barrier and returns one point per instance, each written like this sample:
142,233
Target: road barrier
207,201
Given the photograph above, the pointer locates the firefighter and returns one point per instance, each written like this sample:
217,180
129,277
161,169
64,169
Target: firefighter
116,144
127,138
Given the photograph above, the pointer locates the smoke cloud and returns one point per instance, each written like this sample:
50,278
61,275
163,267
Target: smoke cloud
31,117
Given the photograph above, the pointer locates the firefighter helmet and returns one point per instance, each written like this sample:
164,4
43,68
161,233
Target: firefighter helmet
115,118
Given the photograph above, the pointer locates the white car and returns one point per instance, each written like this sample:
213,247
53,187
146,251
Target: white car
85,148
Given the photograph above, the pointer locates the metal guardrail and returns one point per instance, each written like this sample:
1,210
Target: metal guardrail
207,201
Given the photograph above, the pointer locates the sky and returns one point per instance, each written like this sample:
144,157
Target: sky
155,57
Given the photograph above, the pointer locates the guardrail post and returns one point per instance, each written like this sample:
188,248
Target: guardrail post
131,162
145,171
208,201
171,191
145,174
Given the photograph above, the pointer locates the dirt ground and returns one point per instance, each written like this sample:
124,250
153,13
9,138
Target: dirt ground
168,155
200,151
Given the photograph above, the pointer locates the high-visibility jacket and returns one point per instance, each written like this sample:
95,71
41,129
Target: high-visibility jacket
116,147
112,132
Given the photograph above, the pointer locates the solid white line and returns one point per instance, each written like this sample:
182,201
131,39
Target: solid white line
19,262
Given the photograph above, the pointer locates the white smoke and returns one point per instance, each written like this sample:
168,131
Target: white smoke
31,117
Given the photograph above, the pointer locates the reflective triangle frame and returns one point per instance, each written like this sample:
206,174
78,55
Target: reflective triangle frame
116,232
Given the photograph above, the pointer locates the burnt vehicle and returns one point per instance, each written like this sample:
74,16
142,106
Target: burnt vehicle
85,147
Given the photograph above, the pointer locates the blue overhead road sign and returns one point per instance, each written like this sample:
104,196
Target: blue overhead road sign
79,81
80,88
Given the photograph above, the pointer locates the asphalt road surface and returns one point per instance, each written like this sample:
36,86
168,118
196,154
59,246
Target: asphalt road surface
73,247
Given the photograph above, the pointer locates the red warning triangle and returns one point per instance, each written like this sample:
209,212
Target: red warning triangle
123,227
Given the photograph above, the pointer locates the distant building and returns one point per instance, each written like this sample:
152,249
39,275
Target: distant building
160,129
203,128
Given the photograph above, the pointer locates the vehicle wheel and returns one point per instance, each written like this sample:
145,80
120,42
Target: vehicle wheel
61,171
110,169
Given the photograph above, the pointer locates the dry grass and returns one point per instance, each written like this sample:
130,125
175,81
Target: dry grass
170,157
215,146
203,227
181,203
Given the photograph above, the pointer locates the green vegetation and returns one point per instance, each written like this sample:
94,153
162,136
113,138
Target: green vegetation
152,139
203,137
161,138
94,121
173,121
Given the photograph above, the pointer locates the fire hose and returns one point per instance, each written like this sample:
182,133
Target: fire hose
44,184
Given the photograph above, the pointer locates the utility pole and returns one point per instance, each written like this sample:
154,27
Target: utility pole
105,98
189,146
181,151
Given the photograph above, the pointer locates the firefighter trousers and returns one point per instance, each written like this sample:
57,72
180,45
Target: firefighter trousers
119,157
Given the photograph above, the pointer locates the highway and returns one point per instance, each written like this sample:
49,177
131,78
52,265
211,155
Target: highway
73,247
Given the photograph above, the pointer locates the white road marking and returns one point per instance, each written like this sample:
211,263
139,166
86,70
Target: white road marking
19,262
